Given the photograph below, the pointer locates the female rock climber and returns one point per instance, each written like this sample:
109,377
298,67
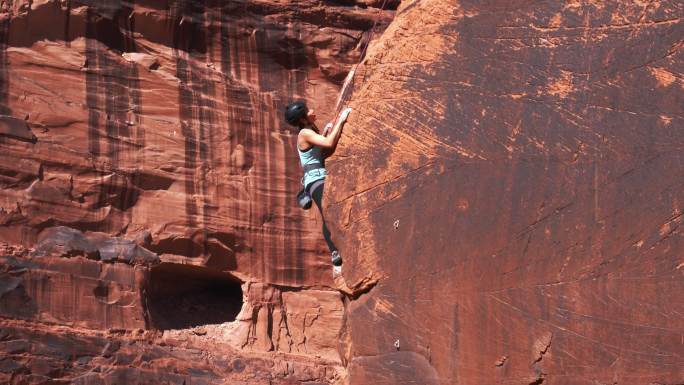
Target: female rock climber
313,148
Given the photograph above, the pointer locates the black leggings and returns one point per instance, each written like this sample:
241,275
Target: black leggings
316,191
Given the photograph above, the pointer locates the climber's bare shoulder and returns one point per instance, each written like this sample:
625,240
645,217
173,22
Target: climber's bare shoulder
303,139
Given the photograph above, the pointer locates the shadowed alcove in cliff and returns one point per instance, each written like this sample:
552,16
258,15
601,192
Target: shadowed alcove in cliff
185,296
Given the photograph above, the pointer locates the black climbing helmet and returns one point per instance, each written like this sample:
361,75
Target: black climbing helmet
294,112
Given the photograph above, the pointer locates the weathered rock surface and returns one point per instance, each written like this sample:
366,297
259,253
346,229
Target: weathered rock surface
509,193
72,356
165,117
148,228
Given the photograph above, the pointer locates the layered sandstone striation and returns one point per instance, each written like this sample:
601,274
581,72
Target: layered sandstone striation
509,195
148,229
162,121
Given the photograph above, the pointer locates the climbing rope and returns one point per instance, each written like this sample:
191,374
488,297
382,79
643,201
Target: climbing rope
370,38
345,92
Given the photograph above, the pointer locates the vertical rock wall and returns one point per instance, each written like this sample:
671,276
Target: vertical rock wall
148,228
165,118
506,194
509,192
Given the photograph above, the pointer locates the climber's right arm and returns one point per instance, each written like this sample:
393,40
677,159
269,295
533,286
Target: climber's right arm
315,139
330,141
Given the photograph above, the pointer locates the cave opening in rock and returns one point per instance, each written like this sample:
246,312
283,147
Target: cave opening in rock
185,296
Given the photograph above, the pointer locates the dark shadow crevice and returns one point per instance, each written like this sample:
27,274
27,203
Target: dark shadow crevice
185,296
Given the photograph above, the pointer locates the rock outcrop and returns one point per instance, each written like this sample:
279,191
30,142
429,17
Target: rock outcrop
148,227
506,195
509,195
165,118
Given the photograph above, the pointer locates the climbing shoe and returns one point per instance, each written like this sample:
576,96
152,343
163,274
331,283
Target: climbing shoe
336,258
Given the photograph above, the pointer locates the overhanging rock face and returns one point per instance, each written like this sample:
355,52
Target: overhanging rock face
508,195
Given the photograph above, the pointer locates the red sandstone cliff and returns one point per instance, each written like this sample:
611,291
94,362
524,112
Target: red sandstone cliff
147,184
511,183
506,194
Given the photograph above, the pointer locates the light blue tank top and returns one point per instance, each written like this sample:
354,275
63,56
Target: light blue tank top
312,155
